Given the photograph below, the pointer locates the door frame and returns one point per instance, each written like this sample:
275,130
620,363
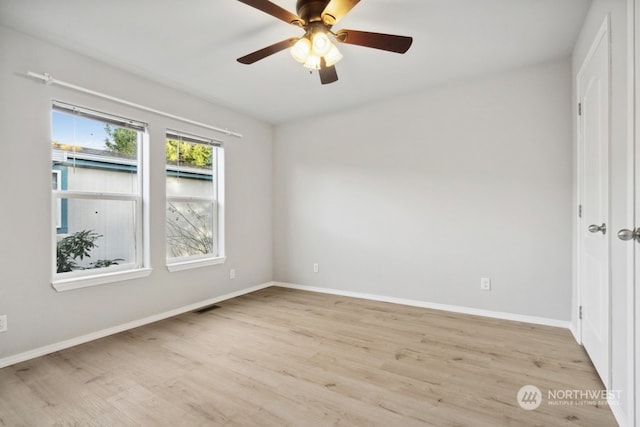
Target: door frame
633,150
603,32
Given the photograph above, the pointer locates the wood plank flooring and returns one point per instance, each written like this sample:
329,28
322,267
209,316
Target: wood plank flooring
281,357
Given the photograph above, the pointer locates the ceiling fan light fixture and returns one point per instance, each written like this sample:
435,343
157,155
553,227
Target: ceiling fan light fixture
333,56
301,50
321,43
312,62
316,50
309,50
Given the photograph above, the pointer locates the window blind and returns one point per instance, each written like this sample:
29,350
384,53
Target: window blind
97,115
182,136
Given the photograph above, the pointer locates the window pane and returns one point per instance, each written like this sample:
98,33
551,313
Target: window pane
101,157
101,233
193,187
189,169
191,224
190,229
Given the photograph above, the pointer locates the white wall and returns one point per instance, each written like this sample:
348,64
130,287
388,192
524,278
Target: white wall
420,196
38,315
619,212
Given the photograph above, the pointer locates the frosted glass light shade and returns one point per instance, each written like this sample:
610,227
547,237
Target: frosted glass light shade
321,43
333,56
301,49
313,62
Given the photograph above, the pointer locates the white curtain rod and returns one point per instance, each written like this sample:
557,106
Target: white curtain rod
48,79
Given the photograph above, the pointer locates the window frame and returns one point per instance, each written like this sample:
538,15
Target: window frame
175,264
61,205
58,207
139,267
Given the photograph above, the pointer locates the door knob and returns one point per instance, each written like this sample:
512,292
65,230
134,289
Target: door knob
594,228
626,234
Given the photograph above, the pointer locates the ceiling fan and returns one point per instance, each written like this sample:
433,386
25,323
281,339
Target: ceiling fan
314,49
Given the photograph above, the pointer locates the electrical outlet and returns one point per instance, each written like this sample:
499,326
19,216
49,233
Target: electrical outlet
316,268
232,273
3,323
485,283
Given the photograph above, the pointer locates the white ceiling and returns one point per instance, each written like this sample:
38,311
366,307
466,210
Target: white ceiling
193,45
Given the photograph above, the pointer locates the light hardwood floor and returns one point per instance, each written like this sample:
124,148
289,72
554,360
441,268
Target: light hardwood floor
285,357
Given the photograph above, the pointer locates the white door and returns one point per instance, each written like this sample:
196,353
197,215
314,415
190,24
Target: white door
593,145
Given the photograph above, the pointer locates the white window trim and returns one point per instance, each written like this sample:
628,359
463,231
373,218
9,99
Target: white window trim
99,279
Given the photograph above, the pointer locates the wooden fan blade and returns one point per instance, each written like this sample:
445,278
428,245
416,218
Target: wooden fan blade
327,74
336,10
274,10
267,51
388,42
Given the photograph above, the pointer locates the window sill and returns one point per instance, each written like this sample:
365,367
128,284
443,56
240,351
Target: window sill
188,265
99,279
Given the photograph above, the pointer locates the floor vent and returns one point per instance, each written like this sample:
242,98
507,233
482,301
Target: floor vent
207,308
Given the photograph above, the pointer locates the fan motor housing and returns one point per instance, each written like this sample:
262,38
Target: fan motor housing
311,10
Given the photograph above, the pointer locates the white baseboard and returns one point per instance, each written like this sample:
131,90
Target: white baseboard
435,306
51,348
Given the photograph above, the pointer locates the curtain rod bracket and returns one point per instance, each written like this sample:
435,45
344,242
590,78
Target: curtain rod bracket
48,79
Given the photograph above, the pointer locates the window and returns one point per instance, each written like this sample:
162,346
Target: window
97,197
194,196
